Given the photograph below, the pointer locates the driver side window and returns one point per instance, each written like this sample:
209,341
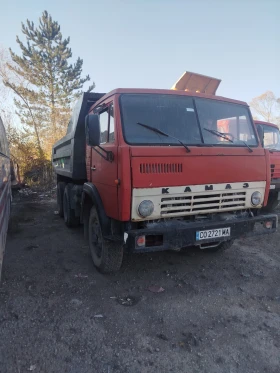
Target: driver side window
104,123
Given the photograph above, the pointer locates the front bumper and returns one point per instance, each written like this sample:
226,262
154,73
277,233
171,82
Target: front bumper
176,234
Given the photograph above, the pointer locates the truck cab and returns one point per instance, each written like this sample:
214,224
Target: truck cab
148,170
271,141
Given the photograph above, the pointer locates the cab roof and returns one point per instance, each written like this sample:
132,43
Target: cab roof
266,123
120,91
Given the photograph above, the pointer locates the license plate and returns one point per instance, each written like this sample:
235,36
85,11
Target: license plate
212,233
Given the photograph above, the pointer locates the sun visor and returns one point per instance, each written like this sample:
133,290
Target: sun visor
192,82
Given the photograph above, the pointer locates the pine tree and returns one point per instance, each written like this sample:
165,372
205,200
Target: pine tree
53,82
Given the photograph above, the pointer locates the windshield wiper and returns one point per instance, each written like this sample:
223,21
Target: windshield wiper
164,134
220,134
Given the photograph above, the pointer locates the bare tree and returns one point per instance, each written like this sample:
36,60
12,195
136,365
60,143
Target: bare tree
266,106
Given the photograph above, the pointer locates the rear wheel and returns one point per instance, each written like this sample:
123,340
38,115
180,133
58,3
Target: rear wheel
69,214
221,247
107,256
59,195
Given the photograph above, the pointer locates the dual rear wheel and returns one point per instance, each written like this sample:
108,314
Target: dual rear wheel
64,205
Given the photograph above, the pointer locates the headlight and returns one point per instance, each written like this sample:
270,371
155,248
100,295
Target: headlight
146,208
256,198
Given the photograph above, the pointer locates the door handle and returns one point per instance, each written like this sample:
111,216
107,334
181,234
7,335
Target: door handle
93,168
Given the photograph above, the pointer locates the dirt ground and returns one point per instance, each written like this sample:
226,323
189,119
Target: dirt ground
218,312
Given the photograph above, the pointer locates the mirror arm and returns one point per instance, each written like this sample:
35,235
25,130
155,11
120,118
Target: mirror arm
109,155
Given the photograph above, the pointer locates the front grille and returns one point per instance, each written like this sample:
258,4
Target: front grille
201,203
161,168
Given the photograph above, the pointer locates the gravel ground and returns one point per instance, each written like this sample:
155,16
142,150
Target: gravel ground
215,313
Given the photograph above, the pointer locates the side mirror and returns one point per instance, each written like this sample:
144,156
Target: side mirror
92,130
261,134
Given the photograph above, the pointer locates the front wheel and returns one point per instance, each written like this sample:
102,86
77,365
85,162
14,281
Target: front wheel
221,247
107,256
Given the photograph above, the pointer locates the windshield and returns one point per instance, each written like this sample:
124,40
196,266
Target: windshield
186,118
271,137
226,118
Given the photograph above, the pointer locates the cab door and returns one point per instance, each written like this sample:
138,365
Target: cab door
104,172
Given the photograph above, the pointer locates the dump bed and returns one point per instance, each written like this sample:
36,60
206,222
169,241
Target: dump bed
68,154
192,82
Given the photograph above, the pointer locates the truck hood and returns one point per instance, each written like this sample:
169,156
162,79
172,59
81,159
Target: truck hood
171,166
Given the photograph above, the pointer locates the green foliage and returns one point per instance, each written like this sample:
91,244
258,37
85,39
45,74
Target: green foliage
44,104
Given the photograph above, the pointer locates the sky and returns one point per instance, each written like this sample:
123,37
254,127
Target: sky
150,43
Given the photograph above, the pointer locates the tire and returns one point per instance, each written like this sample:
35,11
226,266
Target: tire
107,256
69,214
221,247
272,203
59,197
86,212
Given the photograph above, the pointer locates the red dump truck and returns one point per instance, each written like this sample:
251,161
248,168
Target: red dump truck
271,141
147,170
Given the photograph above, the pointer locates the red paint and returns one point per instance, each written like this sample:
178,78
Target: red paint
103,173
267,158
203,165
117,92
274,155
266,123
125,188
200,166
